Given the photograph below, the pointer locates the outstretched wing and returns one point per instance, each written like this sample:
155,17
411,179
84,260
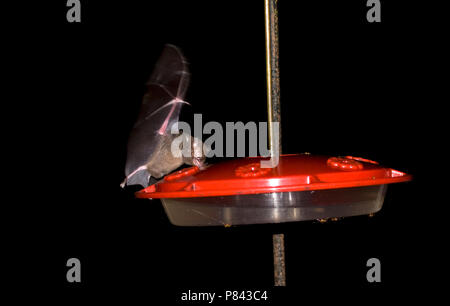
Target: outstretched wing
159,111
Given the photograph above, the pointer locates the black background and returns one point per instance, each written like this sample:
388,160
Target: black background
348,87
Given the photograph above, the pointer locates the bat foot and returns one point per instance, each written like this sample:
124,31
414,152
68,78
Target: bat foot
140,176
123,183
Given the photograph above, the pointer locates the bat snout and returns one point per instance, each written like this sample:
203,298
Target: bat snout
199,162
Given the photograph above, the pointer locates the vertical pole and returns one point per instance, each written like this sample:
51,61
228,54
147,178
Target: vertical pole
274,115
279,268
272,71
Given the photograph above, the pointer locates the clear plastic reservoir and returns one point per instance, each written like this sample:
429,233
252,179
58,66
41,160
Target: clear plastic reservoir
274,207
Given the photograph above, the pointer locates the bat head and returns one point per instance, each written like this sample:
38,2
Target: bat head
198,153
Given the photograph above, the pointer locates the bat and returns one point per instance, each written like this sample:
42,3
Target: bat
149,150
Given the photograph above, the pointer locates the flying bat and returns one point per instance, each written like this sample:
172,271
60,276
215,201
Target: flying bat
150,151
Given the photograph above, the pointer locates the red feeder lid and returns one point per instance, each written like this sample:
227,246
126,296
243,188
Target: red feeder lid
295,172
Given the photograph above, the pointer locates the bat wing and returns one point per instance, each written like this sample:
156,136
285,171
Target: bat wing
159,111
